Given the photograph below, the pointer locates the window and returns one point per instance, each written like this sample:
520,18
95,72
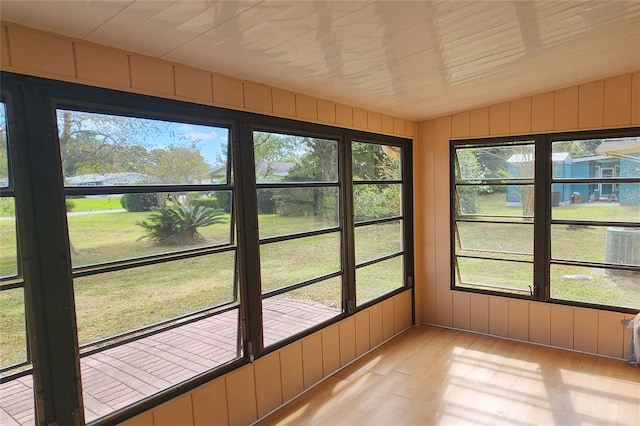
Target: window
553,217
182,241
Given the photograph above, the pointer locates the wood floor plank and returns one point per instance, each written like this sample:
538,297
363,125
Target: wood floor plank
436,376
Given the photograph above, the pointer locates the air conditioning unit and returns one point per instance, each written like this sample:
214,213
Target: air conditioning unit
623,248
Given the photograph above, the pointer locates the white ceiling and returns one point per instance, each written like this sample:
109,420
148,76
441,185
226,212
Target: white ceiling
413,59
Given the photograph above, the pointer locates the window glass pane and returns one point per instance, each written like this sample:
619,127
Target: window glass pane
376,162
4,149
491,200
377,240
287,210
496,162
377,201
596,285
108,228
115,302
8,242
487,274
506,241
298,310
16,400
379,278
618,245
119,376
294,261
104,150
13,340
288,158
578,202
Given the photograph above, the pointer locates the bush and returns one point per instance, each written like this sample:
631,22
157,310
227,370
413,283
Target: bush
141,202
179,225
70,204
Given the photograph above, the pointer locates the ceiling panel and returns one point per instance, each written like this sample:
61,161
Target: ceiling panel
411,59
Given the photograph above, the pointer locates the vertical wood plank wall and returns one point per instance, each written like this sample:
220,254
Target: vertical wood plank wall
253,390
609,103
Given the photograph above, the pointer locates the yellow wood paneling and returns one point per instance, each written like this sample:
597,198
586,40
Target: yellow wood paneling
306,107
617,100
387,319
562,326
150,75
101,65
268,383
479,313
284,103
461,310
360,118
257,97
399,313
610,334
591,104
176,412
460,125
330,349
326,112
499,316
192,83
520,116
408,309
347,329
499,119
635,98
5,58
479,122
585,330
542,112
227,91
312,359
292,377
399,126
241,396
387,123
144,419
362,332
40,52
344,115
412,128
375,325
518,319
210,403
540,323
374,121
565,109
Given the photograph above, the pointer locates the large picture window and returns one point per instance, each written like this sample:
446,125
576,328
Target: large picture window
149,246
554,217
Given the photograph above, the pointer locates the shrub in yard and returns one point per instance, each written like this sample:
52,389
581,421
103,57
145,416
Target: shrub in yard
70,204
141,202
179,225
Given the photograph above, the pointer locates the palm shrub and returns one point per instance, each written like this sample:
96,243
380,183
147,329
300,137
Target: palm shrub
179,225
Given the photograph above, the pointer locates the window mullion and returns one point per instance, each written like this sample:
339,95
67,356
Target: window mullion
542,219
348,238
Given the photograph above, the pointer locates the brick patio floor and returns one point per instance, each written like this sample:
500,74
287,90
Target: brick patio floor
117,377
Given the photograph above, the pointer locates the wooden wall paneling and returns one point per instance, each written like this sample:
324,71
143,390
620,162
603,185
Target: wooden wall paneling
362,332
499,316
411,128
375,325
585,330
499,119
617,100
399,309
306,107
399,126
565,109
177,411
462,310
257,97
374,121
284,103
627,339
520,116
5,57
40,52
344,115
479,122
519,319
562,326
460,125
326,112
347,328
387,319
291,376
591,104
227,91
241,396
103,65
386,123
542,112
268,383
150,75
360,119
144,419
330,349
210,403
540,323
193,83
610,334
635,98
479,313
312,359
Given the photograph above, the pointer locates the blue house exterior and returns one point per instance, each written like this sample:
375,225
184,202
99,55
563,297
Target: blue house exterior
562,168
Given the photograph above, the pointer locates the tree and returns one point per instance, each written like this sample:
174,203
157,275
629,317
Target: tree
179,225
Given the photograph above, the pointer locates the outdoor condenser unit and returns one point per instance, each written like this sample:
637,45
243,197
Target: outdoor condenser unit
622,247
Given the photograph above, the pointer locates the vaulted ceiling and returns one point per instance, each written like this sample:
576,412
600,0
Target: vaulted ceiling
413,59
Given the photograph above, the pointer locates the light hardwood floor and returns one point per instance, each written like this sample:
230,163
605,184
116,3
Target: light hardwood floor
433,376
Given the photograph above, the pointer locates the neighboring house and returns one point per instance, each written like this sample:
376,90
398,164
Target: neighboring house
522,164
107,179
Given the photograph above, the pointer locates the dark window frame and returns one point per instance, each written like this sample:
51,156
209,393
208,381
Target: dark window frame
542,221
35,127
